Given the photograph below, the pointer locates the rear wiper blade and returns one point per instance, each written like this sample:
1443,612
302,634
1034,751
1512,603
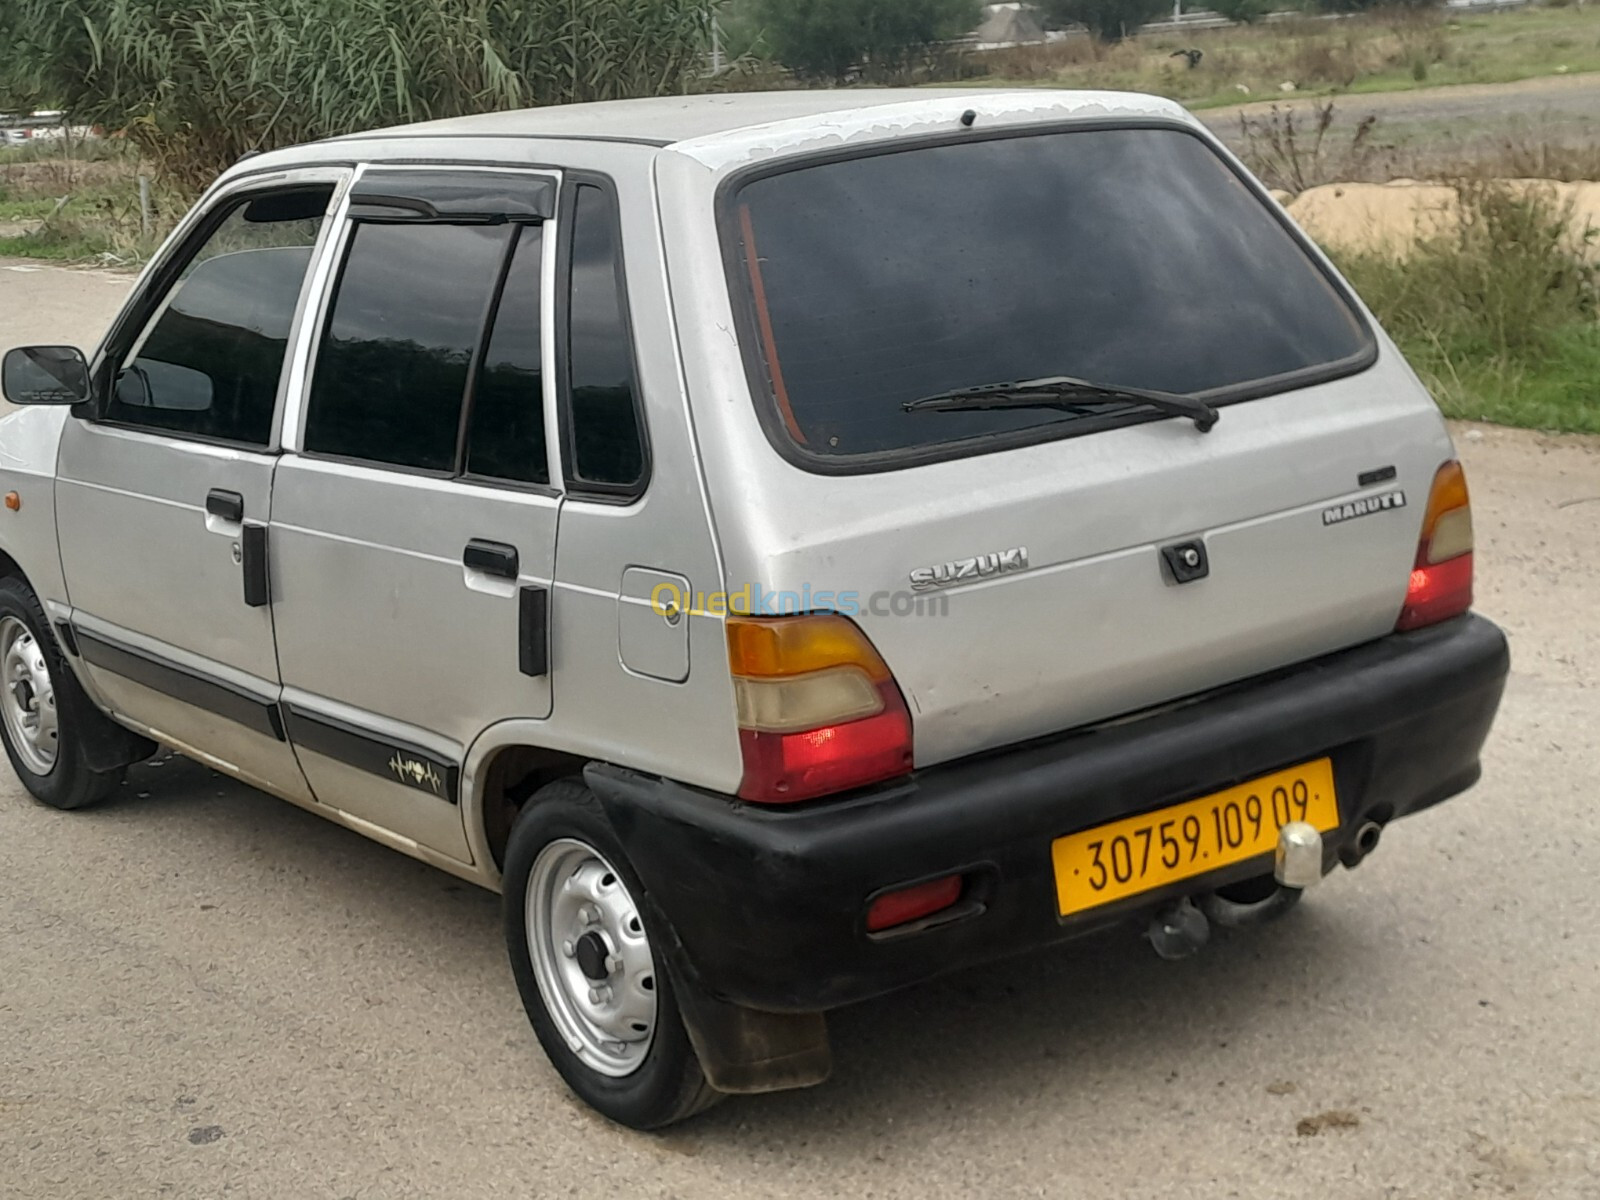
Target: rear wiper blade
1062,391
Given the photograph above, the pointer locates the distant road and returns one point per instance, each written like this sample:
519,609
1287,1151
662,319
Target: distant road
1558,108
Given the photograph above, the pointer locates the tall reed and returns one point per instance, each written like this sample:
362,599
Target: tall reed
196,83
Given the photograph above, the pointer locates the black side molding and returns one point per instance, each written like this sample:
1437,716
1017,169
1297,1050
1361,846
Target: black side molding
396,761
67,638
533,637
253,543
181,683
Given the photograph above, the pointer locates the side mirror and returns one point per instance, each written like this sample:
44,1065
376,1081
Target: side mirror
45,375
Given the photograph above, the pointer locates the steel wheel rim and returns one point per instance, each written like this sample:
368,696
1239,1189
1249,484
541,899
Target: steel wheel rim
591,957
28,704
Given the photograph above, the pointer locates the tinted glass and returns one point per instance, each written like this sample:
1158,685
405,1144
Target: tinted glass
392,367
607,447
208,363
1131,257
505,435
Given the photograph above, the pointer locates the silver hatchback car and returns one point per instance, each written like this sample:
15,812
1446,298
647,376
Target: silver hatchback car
791,545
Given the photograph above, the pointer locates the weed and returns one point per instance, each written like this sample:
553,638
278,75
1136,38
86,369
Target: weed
1294,154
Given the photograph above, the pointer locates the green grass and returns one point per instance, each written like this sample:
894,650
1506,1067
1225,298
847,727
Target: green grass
1559,390
1372,53
63,245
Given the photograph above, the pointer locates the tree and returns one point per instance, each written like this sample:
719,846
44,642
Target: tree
832,39
1246,12
1107,20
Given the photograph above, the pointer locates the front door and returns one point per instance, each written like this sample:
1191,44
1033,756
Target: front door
414,522
163,497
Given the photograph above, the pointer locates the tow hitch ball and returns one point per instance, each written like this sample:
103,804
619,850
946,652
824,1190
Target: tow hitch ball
1180,928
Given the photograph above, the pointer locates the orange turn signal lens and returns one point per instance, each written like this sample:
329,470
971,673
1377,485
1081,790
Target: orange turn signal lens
765,648
1447,525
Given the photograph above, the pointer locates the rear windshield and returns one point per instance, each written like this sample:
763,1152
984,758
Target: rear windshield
1133,257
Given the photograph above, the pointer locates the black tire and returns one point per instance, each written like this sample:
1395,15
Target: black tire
668,1084
71,782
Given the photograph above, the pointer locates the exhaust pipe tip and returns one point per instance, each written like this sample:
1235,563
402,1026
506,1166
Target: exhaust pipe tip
1363,844
1178,930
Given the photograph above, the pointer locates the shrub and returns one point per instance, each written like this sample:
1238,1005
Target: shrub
1498,313
835,39
1108,20
1246,12
1501,279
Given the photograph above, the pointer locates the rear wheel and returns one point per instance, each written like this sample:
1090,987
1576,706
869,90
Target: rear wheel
46,720
594,984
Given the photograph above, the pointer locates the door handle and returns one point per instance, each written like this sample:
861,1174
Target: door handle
491,558
227,505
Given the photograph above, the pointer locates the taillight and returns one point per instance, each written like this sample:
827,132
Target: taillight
1441,580
819,711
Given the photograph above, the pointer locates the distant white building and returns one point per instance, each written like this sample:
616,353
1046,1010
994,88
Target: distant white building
1011,24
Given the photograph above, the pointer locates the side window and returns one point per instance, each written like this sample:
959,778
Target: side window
208,362
407,316
607,445
505,432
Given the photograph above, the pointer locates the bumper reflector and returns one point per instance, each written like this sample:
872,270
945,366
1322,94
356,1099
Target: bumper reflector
913,903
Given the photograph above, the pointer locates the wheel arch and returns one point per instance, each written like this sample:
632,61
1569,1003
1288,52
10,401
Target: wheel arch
11,567
507,764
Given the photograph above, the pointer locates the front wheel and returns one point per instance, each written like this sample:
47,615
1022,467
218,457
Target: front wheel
45,719
595,986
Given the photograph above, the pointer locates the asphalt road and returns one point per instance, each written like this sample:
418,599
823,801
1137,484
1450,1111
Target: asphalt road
205,992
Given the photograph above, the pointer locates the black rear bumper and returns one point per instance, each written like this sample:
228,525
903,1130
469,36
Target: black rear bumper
767,905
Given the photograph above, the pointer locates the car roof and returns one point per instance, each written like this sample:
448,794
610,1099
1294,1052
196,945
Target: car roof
666,120
717,131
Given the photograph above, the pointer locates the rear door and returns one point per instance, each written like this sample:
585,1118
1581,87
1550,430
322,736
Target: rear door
414,522
162,498
1028,561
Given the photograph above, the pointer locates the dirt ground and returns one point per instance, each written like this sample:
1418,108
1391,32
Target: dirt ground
206,992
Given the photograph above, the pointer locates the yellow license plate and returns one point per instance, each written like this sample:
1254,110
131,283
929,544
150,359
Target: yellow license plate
1135,855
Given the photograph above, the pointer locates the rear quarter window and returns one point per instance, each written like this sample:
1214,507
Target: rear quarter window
1125,256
